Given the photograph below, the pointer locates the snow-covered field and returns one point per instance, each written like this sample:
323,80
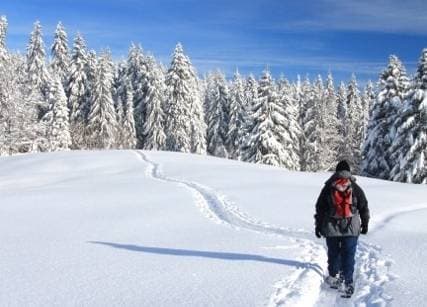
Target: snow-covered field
129,228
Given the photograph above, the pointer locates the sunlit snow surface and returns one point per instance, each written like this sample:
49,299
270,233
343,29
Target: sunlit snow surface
132,228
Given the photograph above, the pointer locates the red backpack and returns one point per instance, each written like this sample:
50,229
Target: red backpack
342,198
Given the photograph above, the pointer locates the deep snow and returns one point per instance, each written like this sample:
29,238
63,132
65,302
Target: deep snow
168,229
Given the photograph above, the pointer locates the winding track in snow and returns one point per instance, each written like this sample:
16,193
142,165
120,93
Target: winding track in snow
304,286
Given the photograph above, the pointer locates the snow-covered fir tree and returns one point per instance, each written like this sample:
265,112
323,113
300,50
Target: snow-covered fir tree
4,80
217,101
329,120
300,89
185,127
18,114
57,118
251,94
237,114
320,134
198,125
378,161
60,62
134,61
120,80
127,120
292,128
91,71
310,119
153,126
3,32
137,73
344,150
102,122
355,123
268,141
119,94
409,148
368,99
36,70
119,108
77,88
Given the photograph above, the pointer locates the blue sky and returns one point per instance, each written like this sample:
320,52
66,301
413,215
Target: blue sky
288,36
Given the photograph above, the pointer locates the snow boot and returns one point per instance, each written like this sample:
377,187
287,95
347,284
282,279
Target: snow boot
348,290
333,282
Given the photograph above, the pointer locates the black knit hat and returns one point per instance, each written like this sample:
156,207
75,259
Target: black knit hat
343,166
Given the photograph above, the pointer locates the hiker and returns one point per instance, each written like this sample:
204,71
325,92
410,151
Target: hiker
342,214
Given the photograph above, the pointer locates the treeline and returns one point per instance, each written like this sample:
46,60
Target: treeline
83,100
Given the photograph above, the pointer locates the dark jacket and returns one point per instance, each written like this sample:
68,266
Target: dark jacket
330,226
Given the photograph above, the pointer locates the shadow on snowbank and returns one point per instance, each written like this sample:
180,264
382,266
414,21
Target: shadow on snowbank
213,255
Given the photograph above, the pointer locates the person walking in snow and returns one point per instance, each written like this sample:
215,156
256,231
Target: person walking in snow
342,214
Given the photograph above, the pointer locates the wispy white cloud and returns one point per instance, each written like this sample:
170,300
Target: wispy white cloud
389,16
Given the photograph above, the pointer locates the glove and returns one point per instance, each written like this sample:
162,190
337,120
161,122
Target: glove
318,232
364,229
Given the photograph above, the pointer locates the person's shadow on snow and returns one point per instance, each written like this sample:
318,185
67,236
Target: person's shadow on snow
214,255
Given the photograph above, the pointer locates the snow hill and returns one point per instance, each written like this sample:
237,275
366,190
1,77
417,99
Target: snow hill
131,228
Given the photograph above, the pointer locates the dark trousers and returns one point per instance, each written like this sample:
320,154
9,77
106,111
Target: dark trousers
341,253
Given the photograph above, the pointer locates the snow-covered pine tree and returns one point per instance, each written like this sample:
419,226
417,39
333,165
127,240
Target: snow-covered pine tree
198,124
268,141
77,88
381,131
203,87
18,111
4,103
120,79
251,94
119,94
91,71
60,62
301,89
153,126
236,124
320,133
127,120
3,32
409,148
218,99
133,64
292,128
297,97
36,70
356,124
310,119
330,135
119,108
185,127
368,99
102,123
137,73
57,118
344,145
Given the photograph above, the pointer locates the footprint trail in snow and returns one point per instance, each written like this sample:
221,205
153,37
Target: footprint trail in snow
304,287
